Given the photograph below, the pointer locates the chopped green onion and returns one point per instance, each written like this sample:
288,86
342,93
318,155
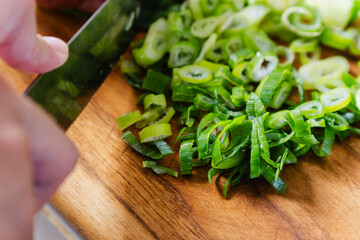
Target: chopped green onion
129,119
130,139
169,113
129,66
195,74
208,45
338,39
333,66
155,132
262,65
186,156
297,18
203,28
336,99
156,82
159,169
275,89
335,14
152,101
155,44
183,53
312,109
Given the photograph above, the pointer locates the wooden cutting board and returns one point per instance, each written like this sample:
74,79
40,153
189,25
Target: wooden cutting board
110,196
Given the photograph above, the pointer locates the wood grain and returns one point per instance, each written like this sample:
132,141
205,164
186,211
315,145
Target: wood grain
110,196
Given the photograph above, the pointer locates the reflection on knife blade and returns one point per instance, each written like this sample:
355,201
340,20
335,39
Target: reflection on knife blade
93,52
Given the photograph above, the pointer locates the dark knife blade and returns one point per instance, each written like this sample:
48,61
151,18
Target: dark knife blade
93,52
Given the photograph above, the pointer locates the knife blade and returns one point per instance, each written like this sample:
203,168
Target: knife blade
93,52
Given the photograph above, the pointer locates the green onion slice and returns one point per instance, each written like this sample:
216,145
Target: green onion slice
183,53
152,101
195,8
336,99
240,56
155,44
155,132
129,66
262,65
195,74
276,120
213,67
312,109
332,66
275,89
207,46
225,161
129,119
335,38
336,121
297,18
169,113
324,149
335,14
354,45
186,156
202,28
159,169
130,139
304,45
209,6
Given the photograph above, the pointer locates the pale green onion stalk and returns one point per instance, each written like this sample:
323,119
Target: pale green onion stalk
330,67
335,13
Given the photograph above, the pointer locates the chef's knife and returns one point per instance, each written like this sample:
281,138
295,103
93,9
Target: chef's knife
93,52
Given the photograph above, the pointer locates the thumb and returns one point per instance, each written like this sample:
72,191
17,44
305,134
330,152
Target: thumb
20,47
41,55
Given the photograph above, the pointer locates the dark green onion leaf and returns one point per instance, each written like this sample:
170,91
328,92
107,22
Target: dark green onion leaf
130,139
159,169
186,156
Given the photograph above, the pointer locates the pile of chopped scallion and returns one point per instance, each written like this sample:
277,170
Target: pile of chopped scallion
231,84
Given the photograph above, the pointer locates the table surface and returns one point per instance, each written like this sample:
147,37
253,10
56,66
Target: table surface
110,196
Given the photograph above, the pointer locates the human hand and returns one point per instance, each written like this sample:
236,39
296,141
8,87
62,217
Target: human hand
20,46
35,157
85,5
35,154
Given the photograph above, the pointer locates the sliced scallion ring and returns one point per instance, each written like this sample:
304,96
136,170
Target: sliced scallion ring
275,88
306,57
325,84
209,6
286,55
195,74
312,109
215,53
332,66
129,119
335,14
304,45
297,18
336,99
276,120
183,53
202,28
231,45
354,46
155,45
155,132
338,39
208,44
336,121
152,101
195,8
262,65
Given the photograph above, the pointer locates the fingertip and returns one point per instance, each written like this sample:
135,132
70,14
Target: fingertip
60,50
